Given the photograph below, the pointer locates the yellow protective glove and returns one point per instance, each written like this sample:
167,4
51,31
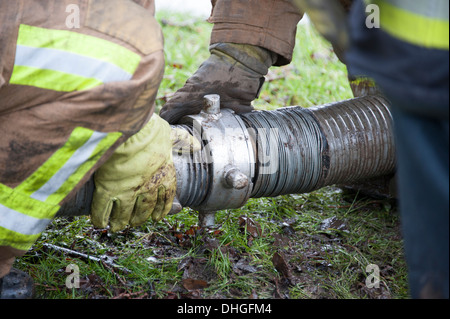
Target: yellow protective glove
138,181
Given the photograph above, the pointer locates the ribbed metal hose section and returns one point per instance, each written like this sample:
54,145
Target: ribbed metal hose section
192,190
359,140
306,149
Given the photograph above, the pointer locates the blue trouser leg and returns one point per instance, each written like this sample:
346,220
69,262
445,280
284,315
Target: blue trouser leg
423,184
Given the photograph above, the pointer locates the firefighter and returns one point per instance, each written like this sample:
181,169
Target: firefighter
78,82
407,59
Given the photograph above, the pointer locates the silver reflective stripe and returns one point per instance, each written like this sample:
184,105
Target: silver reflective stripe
71,63
79,157
21,223
435,9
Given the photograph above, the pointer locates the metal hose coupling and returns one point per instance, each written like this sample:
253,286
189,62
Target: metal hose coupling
290,150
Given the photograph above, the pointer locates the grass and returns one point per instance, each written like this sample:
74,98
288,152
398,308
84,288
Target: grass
270,248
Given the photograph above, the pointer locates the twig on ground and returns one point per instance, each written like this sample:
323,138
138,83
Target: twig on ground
77,254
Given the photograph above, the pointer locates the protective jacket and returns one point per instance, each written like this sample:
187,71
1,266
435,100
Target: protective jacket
77,78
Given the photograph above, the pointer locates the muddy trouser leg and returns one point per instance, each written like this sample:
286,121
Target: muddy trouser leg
423,185
271,24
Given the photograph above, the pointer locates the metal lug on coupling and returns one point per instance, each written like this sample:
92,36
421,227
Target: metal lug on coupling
211,104
206,218
234,178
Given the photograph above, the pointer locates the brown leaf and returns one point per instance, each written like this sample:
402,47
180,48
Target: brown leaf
281,265
194,284
193,230
252,227
217,233
283,268
243,266
171,295
280,240
179,236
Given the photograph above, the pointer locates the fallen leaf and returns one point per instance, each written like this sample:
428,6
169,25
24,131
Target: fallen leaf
280,265
194,284
283,268
250,226
217,232
243,266
197,268
179,236
192,231
171,295
280,240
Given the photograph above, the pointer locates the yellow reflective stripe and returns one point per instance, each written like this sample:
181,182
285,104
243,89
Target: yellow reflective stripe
75,178
81,44
78,137
67,61
22,219
51,79
14,199
17,240
414,28
66,167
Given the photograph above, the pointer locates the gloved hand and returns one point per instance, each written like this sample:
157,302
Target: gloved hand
138,181
234,71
